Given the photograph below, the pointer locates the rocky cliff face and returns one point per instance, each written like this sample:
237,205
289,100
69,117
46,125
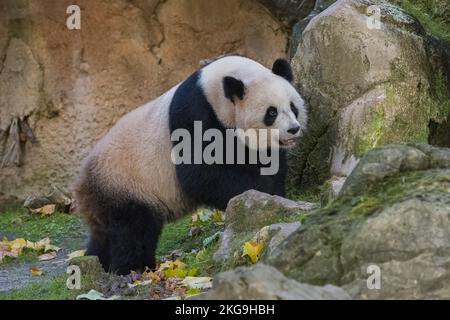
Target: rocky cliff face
61,90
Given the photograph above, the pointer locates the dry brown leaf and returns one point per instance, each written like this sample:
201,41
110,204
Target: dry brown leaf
47,256
35,271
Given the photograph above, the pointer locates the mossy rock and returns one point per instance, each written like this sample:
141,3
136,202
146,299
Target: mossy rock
252,211
366,87
393,212
89,265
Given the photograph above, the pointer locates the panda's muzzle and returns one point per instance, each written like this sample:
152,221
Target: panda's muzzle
289,143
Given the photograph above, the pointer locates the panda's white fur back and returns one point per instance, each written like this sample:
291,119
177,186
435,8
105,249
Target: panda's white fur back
133,158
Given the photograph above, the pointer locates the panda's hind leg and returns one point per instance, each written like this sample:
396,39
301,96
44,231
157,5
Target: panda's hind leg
133,232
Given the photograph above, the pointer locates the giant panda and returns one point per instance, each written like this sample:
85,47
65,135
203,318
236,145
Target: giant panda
129,185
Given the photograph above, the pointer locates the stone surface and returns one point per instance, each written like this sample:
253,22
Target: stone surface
72,85
253,209
89,265
392,212
262,282
365,87
254,212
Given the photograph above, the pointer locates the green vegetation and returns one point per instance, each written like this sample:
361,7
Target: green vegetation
59,227
175,236
67,231
308,196
434,15
52,289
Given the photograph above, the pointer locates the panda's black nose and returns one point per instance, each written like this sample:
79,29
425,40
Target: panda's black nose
294,130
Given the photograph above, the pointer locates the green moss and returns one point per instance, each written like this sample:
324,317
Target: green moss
307,196
365,205
434,15
441,97
317,244
414,110
373,133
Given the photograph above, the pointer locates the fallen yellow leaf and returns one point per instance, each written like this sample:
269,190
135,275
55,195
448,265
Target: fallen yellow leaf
75,254
45,210
252,249
192,291
50,247
35,271
18,245
173,268
40,245
30,245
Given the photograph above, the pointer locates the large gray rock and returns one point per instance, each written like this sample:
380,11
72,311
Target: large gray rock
253,213
366,86
393,213
253,209
262,282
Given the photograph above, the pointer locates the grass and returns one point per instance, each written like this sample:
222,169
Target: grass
175,236
51,289
296,195
59,227
62,229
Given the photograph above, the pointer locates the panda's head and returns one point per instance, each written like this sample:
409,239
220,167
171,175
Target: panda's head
246,95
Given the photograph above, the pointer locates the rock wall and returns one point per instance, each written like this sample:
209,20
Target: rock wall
63,89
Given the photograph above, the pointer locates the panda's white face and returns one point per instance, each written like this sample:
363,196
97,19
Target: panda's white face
246,95
272,102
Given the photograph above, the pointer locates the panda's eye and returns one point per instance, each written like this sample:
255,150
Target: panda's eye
271,115
294,110
272,112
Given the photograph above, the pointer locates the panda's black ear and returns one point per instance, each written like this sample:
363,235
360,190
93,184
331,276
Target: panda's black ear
233,88
283,69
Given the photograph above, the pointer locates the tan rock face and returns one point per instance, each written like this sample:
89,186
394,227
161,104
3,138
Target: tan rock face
73,85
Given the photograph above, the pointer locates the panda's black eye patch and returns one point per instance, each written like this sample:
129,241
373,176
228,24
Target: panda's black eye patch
271,115
294,110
